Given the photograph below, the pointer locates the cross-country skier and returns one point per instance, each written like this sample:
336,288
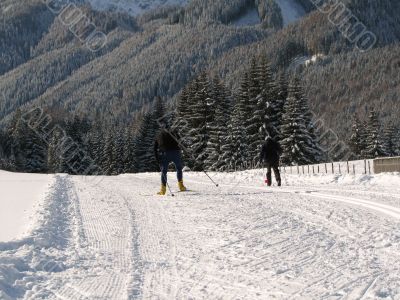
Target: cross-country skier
270,155
167,150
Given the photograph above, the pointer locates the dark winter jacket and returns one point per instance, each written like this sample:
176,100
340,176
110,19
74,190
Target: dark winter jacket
271,152
165,141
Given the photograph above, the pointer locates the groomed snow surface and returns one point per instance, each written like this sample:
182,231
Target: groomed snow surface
318,237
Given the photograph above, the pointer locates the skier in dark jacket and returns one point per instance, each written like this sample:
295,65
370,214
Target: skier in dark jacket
167,150
270,155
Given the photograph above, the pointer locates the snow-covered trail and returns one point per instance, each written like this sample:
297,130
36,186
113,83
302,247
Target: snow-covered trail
116,240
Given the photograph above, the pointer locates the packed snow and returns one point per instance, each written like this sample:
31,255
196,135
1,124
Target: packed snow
21,196
134,7
291,11
326,236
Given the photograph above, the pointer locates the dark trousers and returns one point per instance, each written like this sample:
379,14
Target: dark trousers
166,158
275,167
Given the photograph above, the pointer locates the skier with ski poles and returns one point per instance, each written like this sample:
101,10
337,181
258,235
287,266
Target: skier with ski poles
167,150
270,156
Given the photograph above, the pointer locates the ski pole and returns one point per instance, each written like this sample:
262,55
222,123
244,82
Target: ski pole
169,188
166,182
216,184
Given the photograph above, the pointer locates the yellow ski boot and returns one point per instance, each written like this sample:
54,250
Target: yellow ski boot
163,190
182,188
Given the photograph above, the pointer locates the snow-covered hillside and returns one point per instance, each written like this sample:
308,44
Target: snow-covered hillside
318,237
291,10
134,7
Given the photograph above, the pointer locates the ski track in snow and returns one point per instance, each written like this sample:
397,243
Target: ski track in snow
238,241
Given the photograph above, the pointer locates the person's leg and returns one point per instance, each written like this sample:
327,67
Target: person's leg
277,175
164,169
269,176
177,160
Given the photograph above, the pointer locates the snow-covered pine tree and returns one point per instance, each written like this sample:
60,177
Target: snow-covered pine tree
144,145
96,145
298,145
53,154
118,153
183,103
357,138
129,152
390,139
255,107
241,121
107,158
29,149
275,101
318,155
235,150
217,127
199,118
375,142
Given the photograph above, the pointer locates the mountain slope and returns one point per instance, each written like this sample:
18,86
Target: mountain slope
134,7
158,53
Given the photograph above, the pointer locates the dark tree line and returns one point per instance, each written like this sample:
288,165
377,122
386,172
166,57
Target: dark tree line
219,129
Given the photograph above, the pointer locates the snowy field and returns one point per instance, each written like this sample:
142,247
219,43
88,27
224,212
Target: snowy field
21,197
318,237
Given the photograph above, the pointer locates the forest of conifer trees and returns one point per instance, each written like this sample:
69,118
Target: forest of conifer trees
220,130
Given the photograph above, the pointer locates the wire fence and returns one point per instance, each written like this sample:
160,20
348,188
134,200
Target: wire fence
359,167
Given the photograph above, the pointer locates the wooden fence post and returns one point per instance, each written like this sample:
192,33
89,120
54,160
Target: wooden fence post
333,169
354,169
365,166
348,168
326,169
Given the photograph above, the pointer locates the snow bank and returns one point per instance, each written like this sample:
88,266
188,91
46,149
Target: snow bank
26,263
256,178
21,197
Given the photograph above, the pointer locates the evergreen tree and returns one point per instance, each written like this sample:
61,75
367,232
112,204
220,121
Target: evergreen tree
254,116
118,153
53,154
391,142
375,144
144,145
129,152
299,146
217,127
107,158
199,119
235,151
357,138
29,149
96,145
